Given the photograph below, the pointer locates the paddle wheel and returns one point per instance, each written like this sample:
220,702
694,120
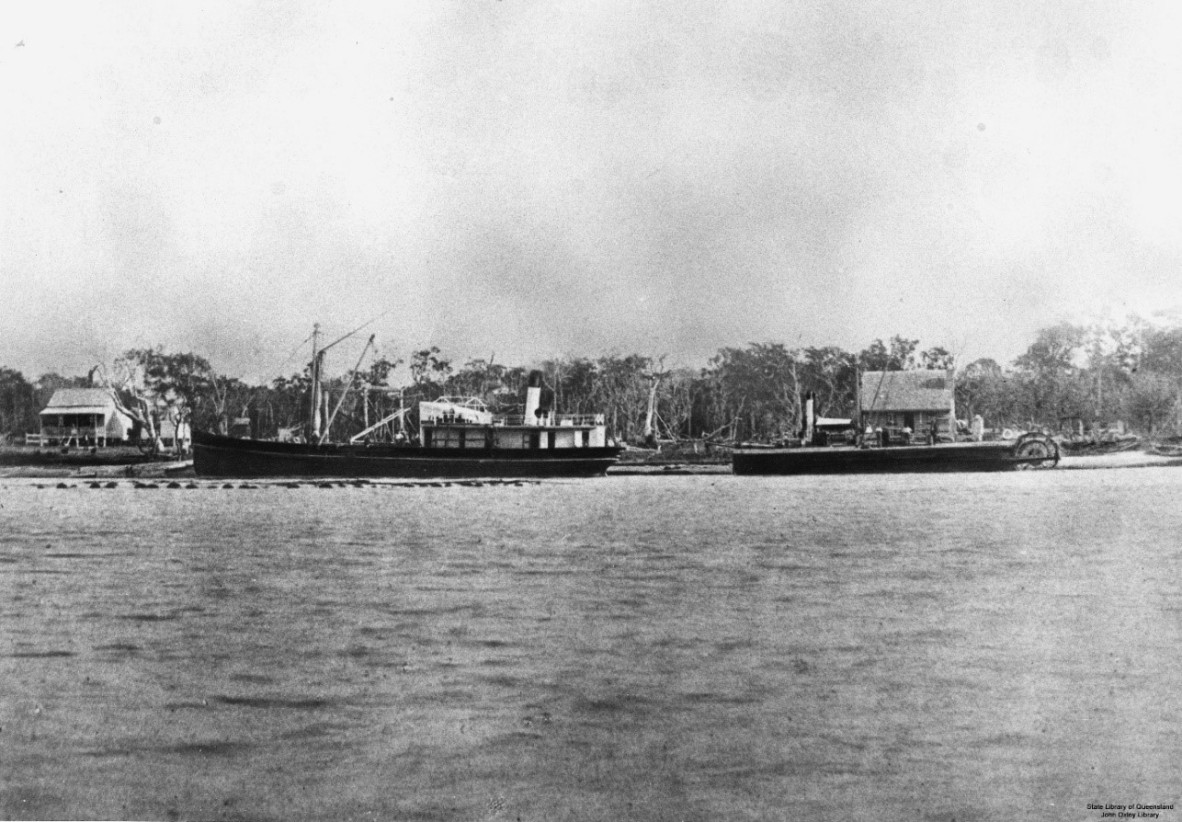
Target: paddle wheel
1034,450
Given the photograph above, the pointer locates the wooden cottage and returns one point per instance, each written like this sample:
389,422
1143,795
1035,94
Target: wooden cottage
83,416
921,402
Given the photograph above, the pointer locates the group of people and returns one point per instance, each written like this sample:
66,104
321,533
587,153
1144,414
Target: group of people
878,435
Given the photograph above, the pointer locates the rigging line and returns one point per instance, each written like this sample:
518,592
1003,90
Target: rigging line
294,351
355,330
874,401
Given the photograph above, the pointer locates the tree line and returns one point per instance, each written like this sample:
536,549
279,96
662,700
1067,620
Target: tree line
1097,373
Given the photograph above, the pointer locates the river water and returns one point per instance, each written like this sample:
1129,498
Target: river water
968,647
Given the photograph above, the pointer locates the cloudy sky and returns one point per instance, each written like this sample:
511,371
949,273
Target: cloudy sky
529,178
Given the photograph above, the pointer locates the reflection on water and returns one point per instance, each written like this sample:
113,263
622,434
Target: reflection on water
681,648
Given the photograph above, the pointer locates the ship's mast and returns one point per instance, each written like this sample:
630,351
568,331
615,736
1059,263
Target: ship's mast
314,410
857,415
319,399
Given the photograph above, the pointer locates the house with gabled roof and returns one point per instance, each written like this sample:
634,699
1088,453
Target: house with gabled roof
922,402
83,416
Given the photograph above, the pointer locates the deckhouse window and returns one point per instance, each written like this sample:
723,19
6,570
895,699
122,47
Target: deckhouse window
446,438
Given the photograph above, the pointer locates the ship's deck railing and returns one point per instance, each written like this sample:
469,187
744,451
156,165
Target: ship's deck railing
464,402
562,420
580,419
519,420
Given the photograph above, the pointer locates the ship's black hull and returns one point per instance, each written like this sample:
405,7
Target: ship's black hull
947,458
218,456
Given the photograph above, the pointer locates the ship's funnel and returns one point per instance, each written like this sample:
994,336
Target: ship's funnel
533,398
810,418
318,398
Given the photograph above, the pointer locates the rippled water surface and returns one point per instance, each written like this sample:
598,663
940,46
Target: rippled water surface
653,648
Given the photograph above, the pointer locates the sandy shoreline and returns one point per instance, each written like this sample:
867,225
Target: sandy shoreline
184,469
137,470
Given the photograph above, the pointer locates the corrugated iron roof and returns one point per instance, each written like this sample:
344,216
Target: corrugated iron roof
925,390
79,401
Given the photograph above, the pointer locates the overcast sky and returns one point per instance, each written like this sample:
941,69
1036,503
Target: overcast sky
529,178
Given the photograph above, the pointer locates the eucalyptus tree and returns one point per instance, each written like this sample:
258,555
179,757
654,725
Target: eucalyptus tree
1153,402
897,355
1050,375
18,406
429,371
830,373
621,393
757,390
150,386
938,358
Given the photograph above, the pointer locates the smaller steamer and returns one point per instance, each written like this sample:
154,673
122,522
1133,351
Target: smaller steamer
822,450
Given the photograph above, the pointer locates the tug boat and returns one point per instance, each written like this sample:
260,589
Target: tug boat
457,438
